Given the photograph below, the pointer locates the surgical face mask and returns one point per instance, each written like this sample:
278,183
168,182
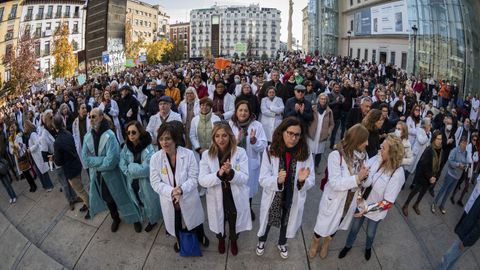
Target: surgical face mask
296,74
400,108
237,81
449,127
398,132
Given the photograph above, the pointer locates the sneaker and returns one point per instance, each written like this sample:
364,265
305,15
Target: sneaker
442,210
14,200
84,208
49,189
433,208
283,251
260,248
11,201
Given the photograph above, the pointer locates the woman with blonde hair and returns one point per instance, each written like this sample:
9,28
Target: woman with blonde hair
379,192
224,172
346,172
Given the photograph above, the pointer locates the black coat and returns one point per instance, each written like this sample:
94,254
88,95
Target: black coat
424,171
354,116
306,117
65,154
125,104
445,146
468,228
373,143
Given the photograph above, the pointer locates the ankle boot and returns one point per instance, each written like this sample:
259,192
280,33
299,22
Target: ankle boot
325,245
221,246
312,252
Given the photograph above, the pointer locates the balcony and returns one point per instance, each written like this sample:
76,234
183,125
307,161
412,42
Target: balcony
74,31
66,15
58,15
28,18
76,15
39,16
49,16
11,16
47,33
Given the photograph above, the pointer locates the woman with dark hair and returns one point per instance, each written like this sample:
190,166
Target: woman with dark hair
223,102
472,173
285,178
110,108
413,122
135,165
310,94
249,97
385,182
397,113
251,137
67,116
373,122
19,150
346,172
174,176
224,172
428,171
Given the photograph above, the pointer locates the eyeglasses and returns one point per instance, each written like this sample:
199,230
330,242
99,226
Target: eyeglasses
92,116
293,134
131,132
300,91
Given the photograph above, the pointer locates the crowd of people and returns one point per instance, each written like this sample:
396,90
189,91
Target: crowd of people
152,140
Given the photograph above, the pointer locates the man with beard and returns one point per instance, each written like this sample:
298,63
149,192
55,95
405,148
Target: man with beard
101,154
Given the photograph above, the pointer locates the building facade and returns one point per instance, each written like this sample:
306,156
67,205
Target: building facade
9,24
143,20
305,29
323,17
180,33
163,23
41,19
235,30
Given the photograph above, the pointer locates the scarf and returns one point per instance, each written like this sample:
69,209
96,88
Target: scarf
321,109
218,100
437,156
204,130
243,132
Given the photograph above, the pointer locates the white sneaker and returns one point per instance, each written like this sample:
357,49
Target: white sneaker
11,201
283,251
260,248
433,208
14,200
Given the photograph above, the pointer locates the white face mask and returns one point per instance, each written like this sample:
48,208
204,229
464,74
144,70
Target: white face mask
398,133
400,108
449,127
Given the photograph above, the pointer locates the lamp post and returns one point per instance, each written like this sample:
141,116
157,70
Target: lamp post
316,44
349,34
414,29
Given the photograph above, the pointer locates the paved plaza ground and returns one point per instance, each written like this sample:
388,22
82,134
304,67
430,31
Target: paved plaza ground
40,232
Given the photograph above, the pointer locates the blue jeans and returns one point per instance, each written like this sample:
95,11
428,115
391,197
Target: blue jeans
70,194
8,186
44,179
356,225
447,188
334,131
452,256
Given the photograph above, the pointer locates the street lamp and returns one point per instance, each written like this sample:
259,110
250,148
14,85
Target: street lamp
414,29
316,46
349,34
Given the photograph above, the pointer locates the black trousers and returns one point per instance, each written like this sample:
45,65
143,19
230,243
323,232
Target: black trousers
422,189
112,206
199,231
282,239
30,180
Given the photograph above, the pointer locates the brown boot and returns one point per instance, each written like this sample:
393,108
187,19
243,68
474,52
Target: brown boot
312,252
405,210
325,244
416,209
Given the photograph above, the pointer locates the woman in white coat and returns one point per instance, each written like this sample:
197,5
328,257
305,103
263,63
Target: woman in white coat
174,176
272,109
346,172
224,172
385,182
413,122
285,178
223,102
82,119
474,111
110,107
41,167
251,137
401,131
422,141
189,108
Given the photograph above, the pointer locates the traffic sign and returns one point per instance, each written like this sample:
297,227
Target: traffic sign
105,57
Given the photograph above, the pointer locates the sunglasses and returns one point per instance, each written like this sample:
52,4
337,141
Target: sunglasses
131,132
300,91
92,116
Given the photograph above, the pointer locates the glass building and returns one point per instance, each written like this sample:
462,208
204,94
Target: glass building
323,29
447,42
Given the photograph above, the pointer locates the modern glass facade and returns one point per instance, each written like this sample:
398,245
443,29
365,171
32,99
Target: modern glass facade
323,32
447,40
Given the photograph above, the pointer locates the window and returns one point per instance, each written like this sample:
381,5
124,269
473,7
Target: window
47,48
75,45
351,52
351,25
374,56
8,75
40,13
38,30
37,49
13,12
75,28
49,26
76,12
28,16
358,53
1,13
392,58
404,60
67,11
50,12
358,1
351,2
58,14
366,55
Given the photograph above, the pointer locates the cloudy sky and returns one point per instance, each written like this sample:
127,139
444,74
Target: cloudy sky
179,10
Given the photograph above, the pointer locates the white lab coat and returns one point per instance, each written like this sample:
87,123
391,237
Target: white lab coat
155,122
472,158
228,105
239,186
254,152
474,110
408,154
114,111
330,210
422,141
182,109
412,130
76,138
186,176
194,134
268,181
271,116
36,152
458,135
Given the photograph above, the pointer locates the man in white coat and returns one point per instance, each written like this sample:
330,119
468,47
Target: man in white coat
164,115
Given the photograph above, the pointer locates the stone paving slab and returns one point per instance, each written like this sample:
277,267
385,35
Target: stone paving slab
11,247
35,259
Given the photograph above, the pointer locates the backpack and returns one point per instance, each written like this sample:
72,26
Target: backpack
324,180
